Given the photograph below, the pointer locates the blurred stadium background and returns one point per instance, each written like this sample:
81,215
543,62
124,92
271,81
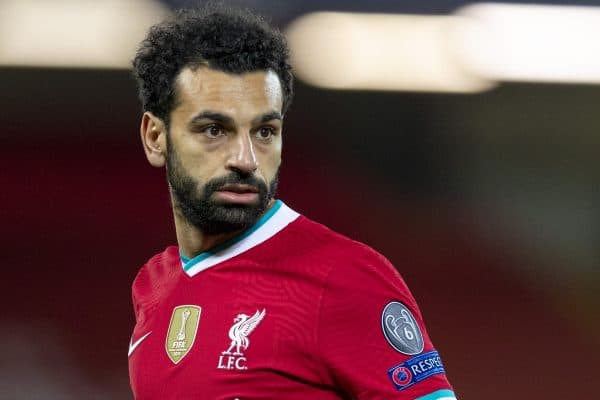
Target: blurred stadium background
459,140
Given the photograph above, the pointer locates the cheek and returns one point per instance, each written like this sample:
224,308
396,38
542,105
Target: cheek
267,169
204,164
271,162
272,172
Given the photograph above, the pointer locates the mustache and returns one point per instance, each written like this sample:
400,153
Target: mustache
234,178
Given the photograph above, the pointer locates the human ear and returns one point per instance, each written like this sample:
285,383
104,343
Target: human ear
154,139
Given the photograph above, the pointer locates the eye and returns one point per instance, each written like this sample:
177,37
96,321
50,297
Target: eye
213,131
265,132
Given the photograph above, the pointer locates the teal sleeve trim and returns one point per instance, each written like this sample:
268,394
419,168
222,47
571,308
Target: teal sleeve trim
439,395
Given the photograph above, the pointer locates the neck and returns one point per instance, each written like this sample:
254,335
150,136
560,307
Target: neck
193,241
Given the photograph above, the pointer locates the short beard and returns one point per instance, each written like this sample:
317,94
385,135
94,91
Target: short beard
210,217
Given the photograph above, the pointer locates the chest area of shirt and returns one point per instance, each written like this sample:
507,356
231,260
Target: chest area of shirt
211,331
222,332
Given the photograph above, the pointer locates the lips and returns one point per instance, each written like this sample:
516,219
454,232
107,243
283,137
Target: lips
234,193
238,188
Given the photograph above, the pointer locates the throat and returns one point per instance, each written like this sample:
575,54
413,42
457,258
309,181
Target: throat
193,242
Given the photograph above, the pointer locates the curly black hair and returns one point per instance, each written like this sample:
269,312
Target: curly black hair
223,38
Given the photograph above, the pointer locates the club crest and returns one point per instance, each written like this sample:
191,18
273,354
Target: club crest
243,325
182,331
401,329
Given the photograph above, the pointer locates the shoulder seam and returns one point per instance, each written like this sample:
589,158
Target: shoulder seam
318,322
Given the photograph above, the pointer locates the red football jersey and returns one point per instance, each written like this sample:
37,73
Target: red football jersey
286,310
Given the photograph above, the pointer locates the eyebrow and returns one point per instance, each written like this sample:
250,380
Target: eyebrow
213,115
268,117
227,120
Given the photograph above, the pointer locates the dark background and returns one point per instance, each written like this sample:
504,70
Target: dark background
487,204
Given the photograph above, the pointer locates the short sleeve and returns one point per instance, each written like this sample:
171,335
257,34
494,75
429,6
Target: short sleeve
371,335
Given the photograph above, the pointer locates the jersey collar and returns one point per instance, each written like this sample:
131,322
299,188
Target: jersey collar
273,221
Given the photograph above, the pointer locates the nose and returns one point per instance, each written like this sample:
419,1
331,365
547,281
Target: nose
242,157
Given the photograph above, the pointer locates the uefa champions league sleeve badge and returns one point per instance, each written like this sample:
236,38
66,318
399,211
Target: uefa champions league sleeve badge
401,330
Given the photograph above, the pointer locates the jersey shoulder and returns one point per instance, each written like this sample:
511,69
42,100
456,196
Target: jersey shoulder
342,252
154,278
362,292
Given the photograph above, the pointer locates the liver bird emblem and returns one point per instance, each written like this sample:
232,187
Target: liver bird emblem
242,327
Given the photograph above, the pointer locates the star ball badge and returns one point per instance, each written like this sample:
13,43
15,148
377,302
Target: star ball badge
182,331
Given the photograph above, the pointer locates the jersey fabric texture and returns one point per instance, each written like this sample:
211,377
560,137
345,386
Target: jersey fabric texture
287,310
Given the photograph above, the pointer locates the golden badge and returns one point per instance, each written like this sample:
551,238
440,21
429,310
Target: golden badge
182,331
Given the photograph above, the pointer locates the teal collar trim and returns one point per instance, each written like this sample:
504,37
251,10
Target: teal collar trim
189,263
184,259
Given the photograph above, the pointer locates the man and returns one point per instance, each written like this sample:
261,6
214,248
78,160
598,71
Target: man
257,301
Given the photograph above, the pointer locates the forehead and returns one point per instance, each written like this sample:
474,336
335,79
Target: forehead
206,88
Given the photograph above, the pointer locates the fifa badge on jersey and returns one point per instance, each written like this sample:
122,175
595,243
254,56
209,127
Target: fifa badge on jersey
401,329
182,331
243,325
